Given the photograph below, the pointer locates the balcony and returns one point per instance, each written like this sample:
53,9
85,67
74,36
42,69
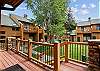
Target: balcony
38,56
32,30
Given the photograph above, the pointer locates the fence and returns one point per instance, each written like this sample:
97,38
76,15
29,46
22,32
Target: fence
78,51
50,55
41,53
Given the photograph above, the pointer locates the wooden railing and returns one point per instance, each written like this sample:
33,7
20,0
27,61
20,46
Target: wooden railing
44,54
50,55
75,51
78,51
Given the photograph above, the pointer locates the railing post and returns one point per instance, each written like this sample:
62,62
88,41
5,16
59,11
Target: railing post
6,44
56,57
29,49
18,45
38,56
66,52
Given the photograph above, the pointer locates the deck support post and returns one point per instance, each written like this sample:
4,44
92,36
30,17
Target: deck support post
38,34
29,49
21,30
6,44
66,51
18,45
56,57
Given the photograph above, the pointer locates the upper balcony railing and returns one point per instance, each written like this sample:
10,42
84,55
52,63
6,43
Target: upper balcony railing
50,55
32,29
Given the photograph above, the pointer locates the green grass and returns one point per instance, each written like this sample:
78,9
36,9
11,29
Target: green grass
75,51
41,48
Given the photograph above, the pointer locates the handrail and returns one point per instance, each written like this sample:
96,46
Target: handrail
78,42
47,53
42,43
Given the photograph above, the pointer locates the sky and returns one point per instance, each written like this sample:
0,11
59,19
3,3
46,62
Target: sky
82,9
20,11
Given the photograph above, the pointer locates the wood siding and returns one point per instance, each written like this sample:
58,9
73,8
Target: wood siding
9,32
90,29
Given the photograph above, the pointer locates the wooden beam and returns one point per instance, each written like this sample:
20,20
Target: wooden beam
43,35
7,44
13,3
0,15
56,57
5,8
29,49
66,52
18,45
38,34
21,31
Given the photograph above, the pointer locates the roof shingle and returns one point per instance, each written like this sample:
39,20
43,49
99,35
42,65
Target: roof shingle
7,21
86,23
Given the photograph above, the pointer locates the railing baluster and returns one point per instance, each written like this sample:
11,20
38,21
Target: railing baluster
86,52
80,52
72,51
44,54
77,51
66,52
49,55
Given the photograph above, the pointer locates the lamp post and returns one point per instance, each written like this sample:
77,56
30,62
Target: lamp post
89,19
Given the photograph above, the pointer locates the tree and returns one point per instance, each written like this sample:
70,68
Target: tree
49,13
70,22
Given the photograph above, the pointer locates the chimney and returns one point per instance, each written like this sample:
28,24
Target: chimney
25,15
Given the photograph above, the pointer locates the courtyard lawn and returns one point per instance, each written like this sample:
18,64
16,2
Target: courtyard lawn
75,51
78,52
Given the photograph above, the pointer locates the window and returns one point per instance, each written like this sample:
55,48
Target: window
94,37
26,27
86,38
82,28
17,29
13,29
2,32
78,39
2,37
2,41
98,27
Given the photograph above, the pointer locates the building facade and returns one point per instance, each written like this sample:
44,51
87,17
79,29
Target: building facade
88,30
19,27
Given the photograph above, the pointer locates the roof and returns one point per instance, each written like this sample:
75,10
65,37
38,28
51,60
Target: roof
7,21
13,3
86,23
19,18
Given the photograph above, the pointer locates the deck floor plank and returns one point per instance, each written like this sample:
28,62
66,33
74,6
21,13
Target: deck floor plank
73,67
24,62
15,61
3,61
8,59
1,64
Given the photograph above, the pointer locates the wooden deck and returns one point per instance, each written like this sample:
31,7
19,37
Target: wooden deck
73,66
8,59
